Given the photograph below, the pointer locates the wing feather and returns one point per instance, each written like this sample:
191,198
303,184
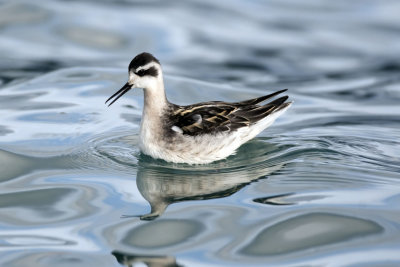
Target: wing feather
217,116
260,99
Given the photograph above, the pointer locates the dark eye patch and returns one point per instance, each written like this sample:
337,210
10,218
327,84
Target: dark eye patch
141,72
151,72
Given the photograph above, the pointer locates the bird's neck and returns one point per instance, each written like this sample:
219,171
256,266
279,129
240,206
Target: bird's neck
155,101
151,127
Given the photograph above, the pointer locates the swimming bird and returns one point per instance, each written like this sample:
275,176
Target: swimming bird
195,134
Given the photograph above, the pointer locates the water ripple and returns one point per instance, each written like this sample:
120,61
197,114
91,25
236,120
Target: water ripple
319,187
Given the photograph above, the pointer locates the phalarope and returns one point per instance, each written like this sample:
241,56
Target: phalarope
199,133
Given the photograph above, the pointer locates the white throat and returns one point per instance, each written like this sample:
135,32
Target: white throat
155,100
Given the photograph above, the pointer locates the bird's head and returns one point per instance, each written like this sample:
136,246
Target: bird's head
144,72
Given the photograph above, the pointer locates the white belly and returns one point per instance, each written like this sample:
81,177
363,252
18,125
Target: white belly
190,149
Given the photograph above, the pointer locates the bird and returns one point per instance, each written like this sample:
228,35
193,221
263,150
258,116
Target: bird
199,133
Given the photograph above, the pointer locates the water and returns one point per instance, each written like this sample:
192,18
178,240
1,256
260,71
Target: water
319,188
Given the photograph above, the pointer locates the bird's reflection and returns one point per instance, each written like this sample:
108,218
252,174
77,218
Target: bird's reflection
150,261
164,184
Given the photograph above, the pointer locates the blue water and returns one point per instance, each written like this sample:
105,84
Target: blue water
321,187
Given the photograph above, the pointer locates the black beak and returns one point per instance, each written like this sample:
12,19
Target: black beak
119,93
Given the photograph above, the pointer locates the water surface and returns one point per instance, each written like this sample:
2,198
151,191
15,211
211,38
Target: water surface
318,188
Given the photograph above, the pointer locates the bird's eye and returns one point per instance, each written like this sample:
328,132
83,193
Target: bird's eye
141,72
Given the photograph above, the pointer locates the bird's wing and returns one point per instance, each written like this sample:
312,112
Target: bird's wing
215,117
204,118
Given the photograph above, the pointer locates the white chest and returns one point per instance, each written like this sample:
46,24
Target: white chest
151,135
